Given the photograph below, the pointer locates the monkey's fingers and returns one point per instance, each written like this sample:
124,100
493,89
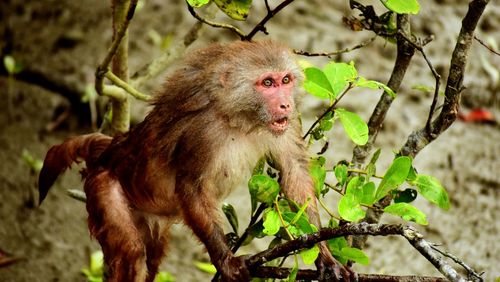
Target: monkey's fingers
234,269
332,270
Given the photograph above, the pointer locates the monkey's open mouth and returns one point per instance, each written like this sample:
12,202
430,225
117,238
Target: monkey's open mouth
279,125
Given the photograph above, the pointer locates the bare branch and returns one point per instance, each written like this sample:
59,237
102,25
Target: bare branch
425,248
158,65
486,46
308,240
349,87
261,26
459,262
454,86
77,195
118,37
215,24
333,53
404,55
309,274
125,86
437,77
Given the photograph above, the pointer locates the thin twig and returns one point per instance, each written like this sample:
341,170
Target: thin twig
486,46
122,30
349,87
403,59
418,139
77,195
459,262
178,48
261,26
333,53
437,77
216,24
424,247
127,87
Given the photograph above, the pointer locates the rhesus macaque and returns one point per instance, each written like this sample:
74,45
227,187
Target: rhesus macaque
228,106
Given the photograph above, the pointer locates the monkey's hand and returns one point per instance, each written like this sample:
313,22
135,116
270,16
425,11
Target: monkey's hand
330,269
234,269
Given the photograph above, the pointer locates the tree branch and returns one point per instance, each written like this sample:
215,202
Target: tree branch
454,86
308,240
309,274
349,87
404,55
333,53
486,46
158,65
437,77
215,24
261,26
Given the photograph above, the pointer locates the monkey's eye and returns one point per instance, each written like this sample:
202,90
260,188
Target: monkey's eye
268,82
286,79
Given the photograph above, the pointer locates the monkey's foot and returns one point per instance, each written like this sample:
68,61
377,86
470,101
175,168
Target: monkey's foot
330,269
234,269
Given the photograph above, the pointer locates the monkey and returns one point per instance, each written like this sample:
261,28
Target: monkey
223,109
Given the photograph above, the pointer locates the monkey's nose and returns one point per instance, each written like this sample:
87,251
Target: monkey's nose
285,106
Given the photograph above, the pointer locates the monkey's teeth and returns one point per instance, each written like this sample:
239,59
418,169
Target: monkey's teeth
280,123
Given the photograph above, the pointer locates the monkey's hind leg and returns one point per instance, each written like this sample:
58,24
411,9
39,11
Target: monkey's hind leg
112,224
155,232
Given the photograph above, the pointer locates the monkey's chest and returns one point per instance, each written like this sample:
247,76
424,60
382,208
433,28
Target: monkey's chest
233,164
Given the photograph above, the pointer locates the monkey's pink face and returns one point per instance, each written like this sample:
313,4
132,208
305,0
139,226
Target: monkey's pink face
276,89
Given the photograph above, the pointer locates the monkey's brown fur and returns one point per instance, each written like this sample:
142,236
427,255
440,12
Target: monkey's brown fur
215,118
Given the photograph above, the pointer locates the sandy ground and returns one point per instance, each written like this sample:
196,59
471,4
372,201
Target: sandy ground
68,38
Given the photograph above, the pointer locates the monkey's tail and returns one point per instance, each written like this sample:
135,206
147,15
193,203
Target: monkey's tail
84,147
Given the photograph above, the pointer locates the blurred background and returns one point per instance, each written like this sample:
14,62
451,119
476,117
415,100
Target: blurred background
58,44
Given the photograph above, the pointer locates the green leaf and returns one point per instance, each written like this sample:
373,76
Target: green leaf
271,222
339,75
300,212
375,156
292,277
205,267
355,255
300,221
197,3
318,174
372,84
407,212
354,126
309,255
354,187
394,176
368,196
164,276
402,6
231,216
349,208
432,190
317,84
336,245
10,64
235,9
259,167
325,124
34,163
341,174
263,188
406,196
257,230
